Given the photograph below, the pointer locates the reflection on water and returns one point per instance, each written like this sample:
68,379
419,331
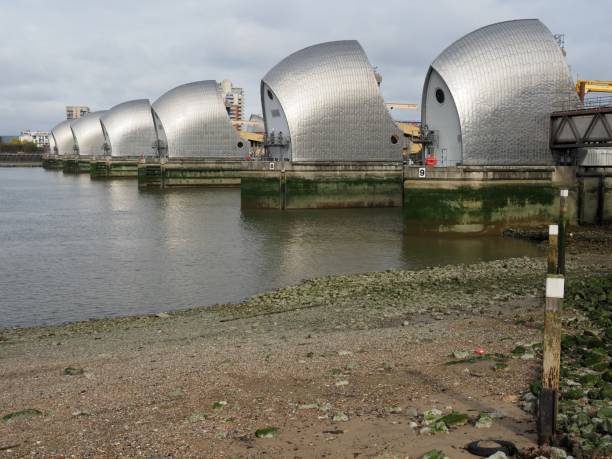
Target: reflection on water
74,249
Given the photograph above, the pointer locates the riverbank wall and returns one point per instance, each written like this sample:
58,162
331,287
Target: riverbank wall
284,185
76,165
52,162
191,172
594,195
113,168
20,159
468,199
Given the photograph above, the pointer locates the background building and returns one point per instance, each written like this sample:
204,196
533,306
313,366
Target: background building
233,98
40,138
323,103
488,97
76,111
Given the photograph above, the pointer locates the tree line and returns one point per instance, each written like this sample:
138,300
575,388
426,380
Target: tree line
17,146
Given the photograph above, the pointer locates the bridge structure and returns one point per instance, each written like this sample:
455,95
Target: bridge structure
579,124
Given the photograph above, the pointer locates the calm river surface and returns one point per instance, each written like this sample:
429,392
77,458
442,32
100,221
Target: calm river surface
73,249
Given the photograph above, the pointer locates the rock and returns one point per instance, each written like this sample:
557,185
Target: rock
162,315
345,353
529,407
176,393
605,412
510,398
340,417
557,453
498,455
434,454
393,409
461,355
310,406
412,412
528,356
405,323
197,417
413,425
431,415
344,382
71,371
529,397
219,405
267,432
424,431
454,419
439,427
27,413
484,421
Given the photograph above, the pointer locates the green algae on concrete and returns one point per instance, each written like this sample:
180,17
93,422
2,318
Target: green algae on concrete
114,168
260,192
52,163
478,208
343,191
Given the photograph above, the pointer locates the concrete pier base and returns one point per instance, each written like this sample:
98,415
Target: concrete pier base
76,165
595,195
113,168
190,173
485,199
284,185
52,162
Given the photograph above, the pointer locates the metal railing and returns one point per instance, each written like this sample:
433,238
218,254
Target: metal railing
573,103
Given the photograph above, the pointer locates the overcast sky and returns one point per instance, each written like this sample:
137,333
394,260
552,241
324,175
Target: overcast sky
99,53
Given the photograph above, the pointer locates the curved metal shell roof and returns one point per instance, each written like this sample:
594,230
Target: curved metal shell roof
129,129
332,105
51,144
196,123
64,140
505,80
88,134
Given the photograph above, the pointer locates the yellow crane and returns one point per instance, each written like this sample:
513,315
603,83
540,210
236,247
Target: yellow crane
583,87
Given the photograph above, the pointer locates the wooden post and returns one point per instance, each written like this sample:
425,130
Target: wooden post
555,289
562,230
553,249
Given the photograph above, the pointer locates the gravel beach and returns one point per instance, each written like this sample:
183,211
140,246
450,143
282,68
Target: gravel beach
342,366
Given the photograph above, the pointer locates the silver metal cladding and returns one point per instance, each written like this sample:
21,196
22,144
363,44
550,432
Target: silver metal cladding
196,123
88,134
503,81
129,129
328,98
52,149
64,140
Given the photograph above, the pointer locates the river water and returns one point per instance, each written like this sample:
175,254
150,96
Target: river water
74,249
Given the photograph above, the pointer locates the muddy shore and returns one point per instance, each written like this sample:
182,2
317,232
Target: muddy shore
342,366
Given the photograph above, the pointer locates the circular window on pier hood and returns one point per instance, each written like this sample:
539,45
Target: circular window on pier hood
440,96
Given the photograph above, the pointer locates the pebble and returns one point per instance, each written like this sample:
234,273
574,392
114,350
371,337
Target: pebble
340,417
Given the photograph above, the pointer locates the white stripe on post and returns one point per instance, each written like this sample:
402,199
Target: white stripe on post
553,230
555,287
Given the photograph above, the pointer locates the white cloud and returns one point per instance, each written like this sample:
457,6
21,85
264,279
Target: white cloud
62,52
